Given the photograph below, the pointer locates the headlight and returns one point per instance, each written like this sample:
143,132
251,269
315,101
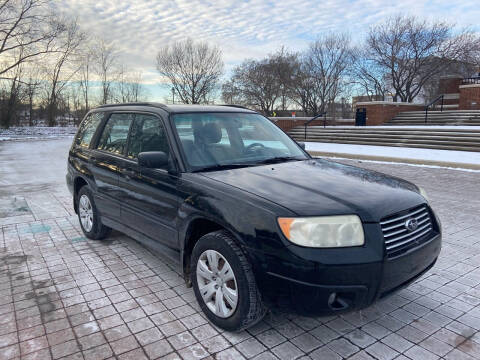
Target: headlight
423,193
324,231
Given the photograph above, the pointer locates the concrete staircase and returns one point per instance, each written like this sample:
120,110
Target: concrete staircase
428,138
446,117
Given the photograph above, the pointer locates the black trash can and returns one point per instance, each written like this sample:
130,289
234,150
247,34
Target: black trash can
361,117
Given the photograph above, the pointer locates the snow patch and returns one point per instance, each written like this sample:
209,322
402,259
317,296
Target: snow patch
459,157
36,132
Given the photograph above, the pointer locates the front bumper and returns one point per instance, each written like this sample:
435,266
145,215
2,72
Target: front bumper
316,288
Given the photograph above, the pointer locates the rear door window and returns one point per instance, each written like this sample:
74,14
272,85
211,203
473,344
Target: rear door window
115,134
87,129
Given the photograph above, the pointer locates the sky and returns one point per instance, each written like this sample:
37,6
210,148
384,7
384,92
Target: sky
243,29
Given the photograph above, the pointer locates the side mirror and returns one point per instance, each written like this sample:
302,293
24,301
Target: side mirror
301,144
153,159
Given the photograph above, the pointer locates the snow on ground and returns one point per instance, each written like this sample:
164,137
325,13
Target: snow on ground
441,156
36,132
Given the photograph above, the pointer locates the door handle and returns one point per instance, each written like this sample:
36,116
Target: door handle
128,173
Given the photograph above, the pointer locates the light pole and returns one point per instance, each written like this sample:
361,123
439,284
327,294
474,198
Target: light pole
173,95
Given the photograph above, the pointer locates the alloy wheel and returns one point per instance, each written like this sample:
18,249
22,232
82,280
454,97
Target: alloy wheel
217,283
86,213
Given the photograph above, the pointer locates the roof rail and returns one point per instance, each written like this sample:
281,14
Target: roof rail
153,104
235,106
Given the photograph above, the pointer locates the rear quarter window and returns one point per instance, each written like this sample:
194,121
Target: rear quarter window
87,129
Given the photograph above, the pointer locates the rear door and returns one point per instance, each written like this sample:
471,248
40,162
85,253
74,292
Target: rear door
105,161
80,151
150,200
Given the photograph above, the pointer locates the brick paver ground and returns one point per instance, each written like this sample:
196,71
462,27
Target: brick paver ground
63,296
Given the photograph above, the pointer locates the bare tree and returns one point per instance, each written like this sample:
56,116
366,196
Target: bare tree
31,88
27,30
11,96
128,86
86,62
137,90
75,101
106,68
60,68
254,83
411,51
285,65
371,79
327,64
193,69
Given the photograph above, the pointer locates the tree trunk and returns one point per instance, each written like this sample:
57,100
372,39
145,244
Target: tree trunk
30,111
10,109
51,114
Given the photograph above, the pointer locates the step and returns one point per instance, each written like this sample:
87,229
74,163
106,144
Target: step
425,139
436,118
434,138
473,144
432,123
388,130
405,143
460,137
445,116
423,146
444,111
447,141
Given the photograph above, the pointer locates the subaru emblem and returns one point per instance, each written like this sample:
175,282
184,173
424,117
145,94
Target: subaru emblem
411,224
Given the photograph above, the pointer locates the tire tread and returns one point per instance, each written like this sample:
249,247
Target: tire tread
99,230
256,309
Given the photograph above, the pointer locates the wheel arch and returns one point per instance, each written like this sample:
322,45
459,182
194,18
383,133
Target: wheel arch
194,230
78,183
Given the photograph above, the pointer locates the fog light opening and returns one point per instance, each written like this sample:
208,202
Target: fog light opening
335,302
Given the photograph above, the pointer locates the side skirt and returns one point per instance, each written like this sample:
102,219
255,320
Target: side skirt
170,254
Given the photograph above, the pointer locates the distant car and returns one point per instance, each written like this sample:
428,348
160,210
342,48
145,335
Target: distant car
251,218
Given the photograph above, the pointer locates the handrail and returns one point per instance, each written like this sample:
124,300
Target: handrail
315,118
440,97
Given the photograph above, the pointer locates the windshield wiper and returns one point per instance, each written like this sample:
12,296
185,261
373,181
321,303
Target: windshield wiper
274,160
224,167
279,159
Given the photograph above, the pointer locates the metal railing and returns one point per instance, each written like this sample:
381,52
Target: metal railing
315,118
471,80
433,103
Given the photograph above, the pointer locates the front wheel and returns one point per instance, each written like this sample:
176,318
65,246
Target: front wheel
224,284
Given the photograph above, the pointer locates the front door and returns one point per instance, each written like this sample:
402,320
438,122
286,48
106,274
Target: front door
150,200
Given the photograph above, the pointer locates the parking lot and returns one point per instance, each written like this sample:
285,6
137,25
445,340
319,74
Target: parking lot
63,296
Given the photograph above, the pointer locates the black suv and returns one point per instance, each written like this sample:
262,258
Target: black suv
251,218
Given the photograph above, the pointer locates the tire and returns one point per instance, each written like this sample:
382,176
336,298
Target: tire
248,309
94,229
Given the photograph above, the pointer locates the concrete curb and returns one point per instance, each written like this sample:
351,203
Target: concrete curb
396,160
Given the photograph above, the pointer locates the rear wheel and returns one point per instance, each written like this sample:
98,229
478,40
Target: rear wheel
224,284
88,215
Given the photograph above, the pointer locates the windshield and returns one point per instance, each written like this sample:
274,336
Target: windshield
211,140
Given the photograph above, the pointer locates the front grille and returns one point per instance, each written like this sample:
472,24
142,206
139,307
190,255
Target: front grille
398,239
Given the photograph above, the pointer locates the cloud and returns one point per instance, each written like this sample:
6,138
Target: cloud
243,29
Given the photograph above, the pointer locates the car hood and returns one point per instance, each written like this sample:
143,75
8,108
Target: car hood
322,187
